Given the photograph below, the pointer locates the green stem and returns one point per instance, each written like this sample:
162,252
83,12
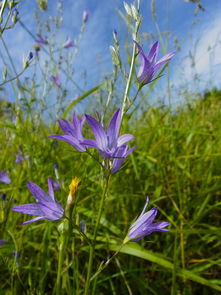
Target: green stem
92,246
129,80
66,232
62,248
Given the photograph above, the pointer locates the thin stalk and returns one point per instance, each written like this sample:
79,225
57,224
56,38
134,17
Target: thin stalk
92,247
129,80
62,247
67,229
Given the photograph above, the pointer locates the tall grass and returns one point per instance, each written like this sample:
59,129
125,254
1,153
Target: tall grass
177,165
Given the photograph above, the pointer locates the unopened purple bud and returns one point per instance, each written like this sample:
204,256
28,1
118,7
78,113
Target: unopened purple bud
85,16
55,166
30,55
56,80
3,197
82,226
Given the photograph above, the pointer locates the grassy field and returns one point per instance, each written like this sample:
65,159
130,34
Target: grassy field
84,247
177,165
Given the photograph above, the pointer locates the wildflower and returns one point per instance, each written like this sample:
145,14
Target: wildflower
56,79
143,226
20,158
85,16
41,41
2,242
149,65
46,207
73,190
82,226
4,177
107,142
72,132
68,43
4,198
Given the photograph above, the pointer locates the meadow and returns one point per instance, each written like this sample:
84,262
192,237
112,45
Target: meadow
89,246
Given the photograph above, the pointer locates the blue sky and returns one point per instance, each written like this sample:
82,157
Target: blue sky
195,34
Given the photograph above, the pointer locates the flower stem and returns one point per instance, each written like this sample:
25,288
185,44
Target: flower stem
92,246
129,80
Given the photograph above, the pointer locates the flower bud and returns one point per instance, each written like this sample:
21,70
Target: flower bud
73,190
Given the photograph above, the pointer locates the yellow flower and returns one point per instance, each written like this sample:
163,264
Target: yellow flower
73,190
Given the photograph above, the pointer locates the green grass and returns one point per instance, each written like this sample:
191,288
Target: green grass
177,164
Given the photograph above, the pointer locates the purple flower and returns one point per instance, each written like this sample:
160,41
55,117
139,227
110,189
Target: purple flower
4,177
40,40
68,43
56,79
4,198
20,158
46,207
72,132
149,65
107,142
85,16
143,226
2,242
82,226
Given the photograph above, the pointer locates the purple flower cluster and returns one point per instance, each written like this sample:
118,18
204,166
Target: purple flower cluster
107,142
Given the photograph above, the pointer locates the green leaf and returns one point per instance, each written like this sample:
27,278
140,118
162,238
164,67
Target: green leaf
73,103
136,250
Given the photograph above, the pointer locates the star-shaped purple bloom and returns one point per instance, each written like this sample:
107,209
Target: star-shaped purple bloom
149,65
46,206
72,132
4,177
144,225
107,142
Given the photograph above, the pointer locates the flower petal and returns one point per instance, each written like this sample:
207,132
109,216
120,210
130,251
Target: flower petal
153,53
37,192
50,188
30,209
67,127
143,221
113,128
90,142
119,158
4,177
33,220
71,140
98,132
124,138
163,60
52,210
